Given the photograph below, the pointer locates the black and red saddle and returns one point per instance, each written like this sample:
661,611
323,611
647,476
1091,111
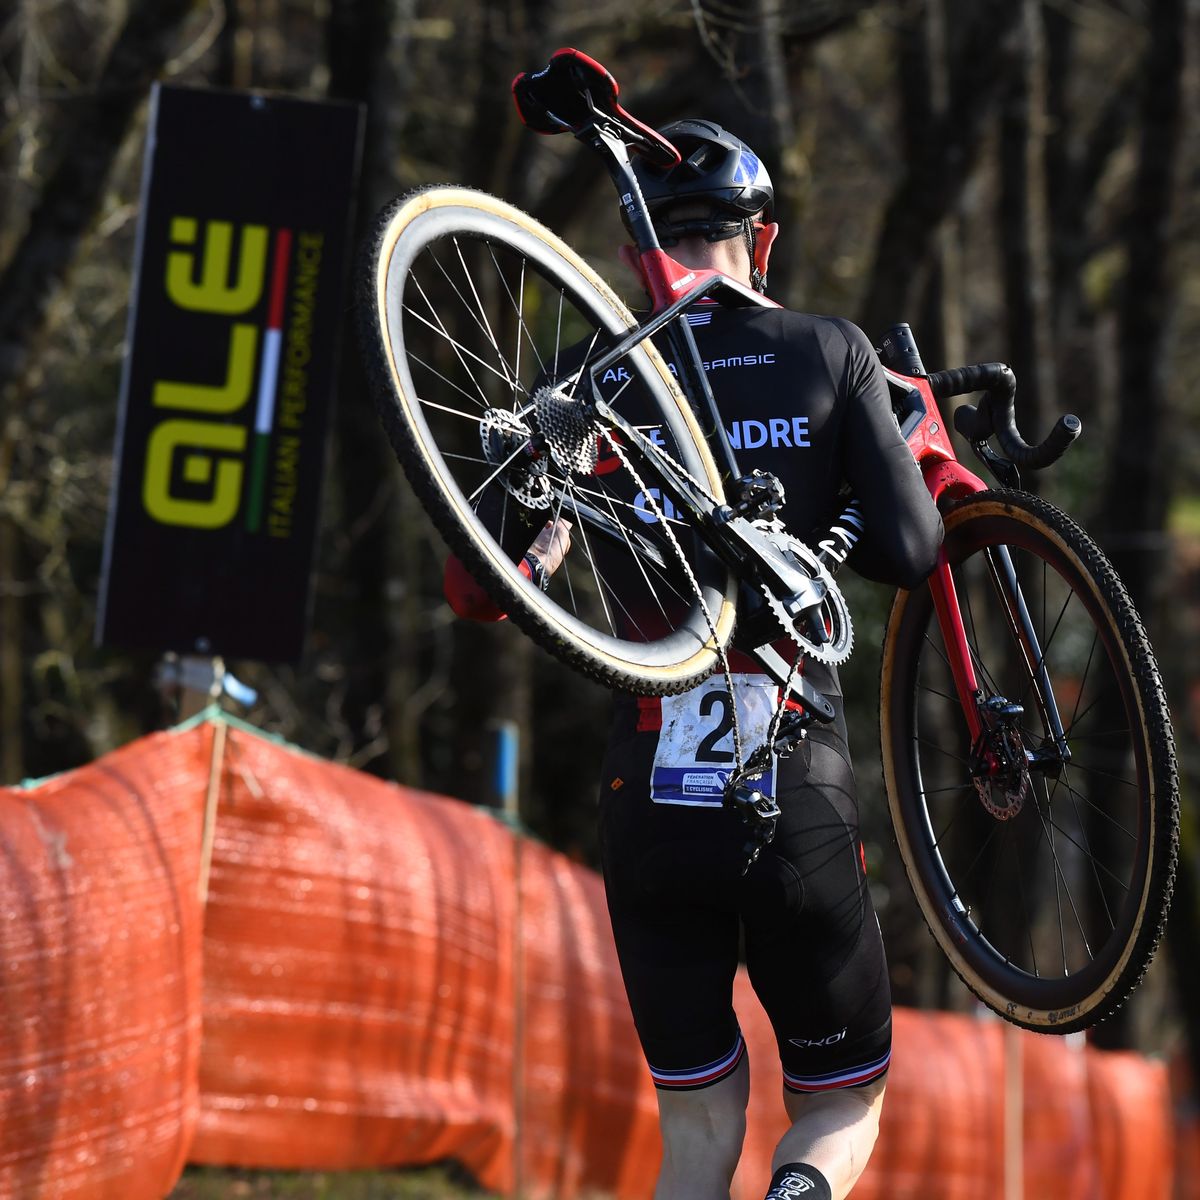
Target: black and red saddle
573,92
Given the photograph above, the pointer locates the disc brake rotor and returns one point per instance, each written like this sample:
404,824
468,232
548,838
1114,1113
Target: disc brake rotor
507,439
1003,792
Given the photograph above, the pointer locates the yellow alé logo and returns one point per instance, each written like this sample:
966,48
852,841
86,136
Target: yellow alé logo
195,425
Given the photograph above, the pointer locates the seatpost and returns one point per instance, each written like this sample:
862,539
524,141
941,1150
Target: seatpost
611,147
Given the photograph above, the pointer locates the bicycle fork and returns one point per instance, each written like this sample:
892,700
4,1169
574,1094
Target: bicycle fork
988,716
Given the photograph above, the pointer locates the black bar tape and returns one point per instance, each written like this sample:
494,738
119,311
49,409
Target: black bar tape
960,381
995,414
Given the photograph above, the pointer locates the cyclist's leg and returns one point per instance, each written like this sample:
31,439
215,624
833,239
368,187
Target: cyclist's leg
833,1131
815,957
671,879
702,1133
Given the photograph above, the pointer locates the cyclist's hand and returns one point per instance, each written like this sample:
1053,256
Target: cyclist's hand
552,544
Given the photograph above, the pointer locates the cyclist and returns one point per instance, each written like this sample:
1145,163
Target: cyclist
803,397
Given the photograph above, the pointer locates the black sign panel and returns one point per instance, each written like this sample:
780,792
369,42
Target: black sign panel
236,315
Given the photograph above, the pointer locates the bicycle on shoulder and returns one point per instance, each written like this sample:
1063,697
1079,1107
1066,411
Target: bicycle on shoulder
1027,746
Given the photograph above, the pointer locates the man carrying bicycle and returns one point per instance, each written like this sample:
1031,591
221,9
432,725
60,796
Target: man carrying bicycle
804,398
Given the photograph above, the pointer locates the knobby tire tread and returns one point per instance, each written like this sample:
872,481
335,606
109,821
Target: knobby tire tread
425,483
1163,765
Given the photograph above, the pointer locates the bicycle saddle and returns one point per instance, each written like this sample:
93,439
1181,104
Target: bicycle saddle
571,92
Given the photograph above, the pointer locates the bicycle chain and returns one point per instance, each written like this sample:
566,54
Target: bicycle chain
766,815
695,583
832,655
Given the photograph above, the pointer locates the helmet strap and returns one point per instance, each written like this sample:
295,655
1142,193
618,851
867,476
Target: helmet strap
757,278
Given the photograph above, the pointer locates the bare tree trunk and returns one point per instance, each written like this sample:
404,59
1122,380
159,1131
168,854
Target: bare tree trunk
11,675
1141,469
934,177
378,515
778,129
1075,158
72,193
1023,230
923,79
39,264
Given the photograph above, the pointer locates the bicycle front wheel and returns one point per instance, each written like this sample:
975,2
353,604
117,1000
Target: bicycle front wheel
480,328
1042,853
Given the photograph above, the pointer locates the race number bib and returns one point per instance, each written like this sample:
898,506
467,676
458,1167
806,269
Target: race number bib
695,746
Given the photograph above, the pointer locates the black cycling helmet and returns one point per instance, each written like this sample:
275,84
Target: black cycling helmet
716,168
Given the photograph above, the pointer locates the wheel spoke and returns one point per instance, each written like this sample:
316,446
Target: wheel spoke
460,350
1087,853
500,469
1028,921
1092,862
480,316
1048,828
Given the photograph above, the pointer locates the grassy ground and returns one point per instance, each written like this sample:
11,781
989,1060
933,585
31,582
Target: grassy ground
434,1183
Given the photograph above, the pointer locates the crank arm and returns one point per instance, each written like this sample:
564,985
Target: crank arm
778,668
799,591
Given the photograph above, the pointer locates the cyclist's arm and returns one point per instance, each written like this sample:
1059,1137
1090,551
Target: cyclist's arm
500,514
541,559
903,528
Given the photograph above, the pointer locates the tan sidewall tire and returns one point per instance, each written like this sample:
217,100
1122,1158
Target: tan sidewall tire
526,606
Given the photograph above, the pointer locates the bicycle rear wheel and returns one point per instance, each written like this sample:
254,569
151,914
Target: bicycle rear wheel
1043,855
479,327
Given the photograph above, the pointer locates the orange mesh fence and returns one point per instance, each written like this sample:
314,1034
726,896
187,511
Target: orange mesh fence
1130,1104
360,991
372,956
100,987
1094,1124
1187,1156
358,980
361,1007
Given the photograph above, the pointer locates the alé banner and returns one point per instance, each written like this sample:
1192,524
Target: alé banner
233,338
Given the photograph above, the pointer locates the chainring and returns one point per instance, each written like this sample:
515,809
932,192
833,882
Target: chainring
834,608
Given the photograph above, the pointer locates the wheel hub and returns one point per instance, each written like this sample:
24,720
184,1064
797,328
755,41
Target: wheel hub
507,439
999,764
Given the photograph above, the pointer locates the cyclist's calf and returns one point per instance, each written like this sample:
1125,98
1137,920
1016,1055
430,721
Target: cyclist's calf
702,1133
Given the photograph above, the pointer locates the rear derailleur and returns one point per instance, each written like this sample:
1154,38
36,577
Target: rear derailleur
743,789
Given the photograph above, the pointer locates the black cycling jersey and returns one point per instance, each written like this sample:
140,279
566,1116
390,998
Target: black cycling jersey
805,398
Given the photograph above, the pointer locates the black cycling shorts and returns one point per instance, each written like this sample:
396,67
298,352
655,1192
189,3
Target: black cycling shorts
680,907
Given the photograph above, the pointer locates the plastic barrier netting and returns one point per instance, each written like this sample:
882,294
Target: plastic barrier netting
100,990
394,978
361,988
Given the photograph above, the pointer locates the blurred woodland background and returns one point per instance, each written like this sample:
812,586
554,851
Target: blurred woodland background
1015,178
